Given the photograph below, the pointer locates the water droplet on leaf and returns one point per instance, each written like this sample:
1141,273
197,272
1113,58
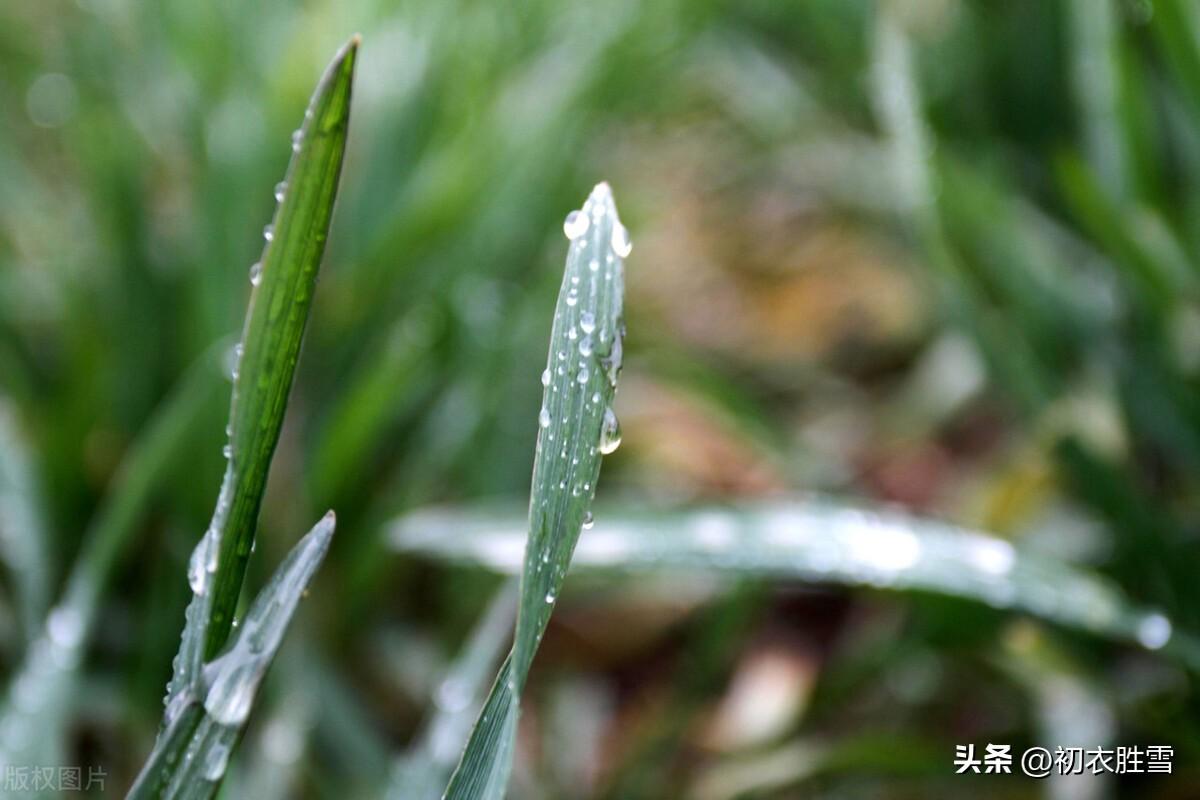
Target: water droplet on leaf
610,432
575,225
620,240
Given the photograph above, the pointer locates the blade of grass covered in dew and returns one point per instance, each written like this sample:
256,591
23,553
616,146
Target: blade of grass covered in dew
32,718
23,535
421,773
192,754
821,541
577,427
282,287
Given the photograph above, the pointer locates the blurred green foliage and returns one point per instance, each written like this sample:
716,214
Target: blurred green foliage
939,252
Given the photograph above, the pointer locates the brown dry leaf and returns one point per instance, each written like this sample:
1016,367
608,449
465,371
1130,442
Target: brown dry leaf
675,436
763,278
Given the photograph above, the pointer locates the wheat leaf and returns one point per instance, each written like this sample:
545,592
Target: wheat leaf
577,427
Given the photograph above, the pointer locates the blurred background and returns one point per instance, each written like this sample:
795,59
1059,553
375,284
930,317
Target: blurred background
936,253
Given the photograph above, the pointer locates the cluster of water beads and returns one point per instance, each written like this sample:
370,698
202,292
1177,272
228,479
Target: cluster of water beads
280,191
233,360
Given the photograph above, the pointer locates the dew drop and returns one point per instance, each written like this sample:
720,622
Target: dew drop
620,240
229,698
256,273
575,225
610,432
572,297
215,761
588,520
203,562
549,597
280,189
297,138
269,232
583,375
544,417
1154,631
233,359
227,451
65,626
594,265
587,320
546,377
612,364
453,695
585,346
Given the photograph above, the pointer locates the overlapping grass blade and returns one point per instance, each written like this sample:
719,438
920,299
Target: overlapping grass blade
192,754
421,773
821,541
280,299
577,426
31,722
23,543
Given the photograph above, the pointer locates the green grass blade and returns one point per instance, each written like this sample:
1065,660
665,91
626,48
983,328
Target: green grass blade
1176,26
23,534
192,755
33,714
280,300
817,541
577,428
1095,64
421,773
